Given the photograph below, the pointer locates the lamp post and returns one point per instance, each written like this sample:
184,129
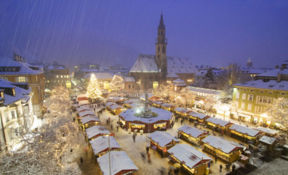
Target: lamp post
109,159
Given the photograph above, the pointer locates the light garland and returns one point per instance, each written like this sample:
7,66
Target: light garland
93,90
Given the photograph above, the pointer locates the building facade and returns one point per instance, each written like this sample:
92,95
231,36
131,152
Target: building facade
18,71
57,75
16,113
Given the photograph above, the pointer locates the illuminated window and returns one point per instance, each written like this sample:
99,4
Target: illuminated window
57,76
244,96
249,107
155,84
22,79
189,80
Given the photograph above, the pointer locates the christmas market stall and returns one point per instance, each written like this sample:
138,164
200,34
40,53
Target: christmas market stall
191,134
89,121
128,104
221,148
159,119
269,142
161,141
82,97
167,106
83,108
244,133
116,163
96,131
83,102
218,124
115,109
181,111
102,144
192,160
200,117
156,104
268,131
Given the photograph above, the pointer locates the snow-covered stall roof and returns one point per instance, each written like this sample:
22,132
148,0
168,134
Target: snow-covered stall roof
267,130
218,121
119,161
162,115
86,113
221,144
245,130
83,102
197,115
162,138
83,108
96,130
167,105
101,144
271,84
18,68
182,110
145,63
194,132
267,140
115,106
82,97
88,119
188,155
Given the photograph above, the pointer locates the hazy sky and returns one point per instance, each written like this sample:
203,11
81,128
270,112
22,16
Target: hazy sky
214,32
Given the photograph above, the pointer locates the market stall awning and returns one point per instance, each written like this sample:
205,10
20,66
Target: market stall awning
96,130
162,138
102,143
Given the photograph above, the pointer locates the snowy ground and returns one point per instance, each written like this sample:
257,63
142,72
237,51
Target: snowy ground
276,167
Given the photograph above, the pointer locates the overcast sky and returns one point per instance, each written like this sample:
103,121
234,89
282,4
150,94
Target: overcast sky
108,32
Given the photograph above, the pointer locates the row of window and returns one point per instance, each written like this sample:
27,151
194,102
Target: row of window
62,76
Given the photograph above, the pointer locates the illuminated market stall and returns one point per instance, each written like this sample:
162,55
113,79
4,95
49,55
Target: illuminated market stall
89,121
116,163
192,160
159,120
167,106
162,141
200,117
181,111
221,148
96,131
191,134
101,145
218,124
244,133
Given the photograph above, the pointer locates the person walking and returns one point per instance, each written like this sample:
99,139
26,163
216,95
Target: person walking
220,168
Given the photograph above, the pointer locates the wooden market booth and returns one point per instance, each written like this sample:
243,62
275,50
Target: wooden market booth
218,124
221,148
191,134
96,131
244,133
167,106
162,141
192,160
181,111
89,121
101,145
200,117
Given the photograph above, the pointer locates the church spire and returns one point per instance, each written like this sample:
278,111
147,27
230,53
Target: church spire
161,24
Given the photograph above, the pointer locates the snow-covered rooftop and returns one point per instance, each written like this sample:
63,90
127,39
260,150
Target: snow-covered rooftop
221,144
188,155
162,138
218,121
146,63
101,75
89,118
197,115
163,115
115,106
96,130
245,130
182,110
12,67
260,84
128,79
267,140
86,113
82,108
83,102
194,132
101,144
267,130
119,161
204,90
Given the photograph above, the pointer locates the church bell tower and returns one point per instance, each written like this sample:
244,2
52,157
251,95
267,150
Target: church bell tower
161,44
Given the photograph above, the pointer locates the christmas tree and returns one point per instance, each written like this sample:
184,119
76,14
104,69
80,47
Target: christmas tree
93,90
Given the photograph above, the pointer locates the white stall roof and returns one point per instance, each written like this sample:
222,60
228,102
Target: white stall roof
267,140
89,118
245,130
83,102
96,130
83,108
221,144
218,121
101,143
85,113
197,115
187,154
129,115
162,138
182,110
194,132
119,161
267,130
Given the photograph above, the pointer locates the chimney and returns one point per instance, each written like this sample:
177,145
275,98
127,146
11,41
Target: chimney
18,58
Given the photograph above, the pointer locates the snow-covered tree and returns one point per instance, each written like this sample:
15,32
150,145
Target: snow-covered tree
279,111
93,89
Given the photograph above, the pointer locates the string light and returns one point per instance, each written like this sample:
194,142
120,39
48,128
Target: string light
93,90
